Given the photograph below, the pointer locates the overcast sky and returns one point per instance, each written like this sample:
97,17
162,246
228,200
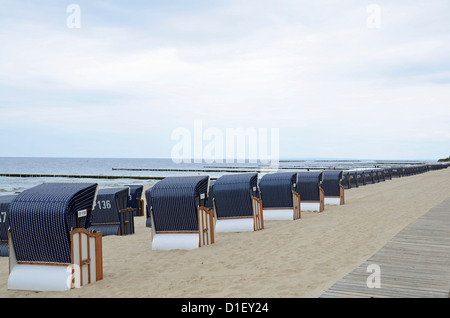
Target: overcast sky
338,79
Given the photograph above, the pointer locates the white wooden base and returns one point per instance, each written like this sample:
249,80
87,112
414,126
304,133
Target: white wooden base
278,214
169,241
235,225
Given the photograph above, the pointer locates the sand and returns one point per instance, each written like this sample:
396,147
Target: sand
288,259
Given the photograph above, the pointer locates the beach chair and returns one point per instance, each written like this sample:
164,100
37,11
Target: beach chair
346,180
148,220
178,215
369,177
279,197
5,201
381,176
387,173
404,171
135,200
48,251
377,175
309,187
395,172
209,201
359,175
237,205
111,214
353,179
332,187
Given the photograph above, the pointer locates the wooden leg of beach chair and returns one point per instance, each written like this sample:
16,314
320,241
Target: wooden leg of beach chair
258,221
254,214
140,207
98,255
206,226
211,225
322,200
87,262
201,227
261,217
296,205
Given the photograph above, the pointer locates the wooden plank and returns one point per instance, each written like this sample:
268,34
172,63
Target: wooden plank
414,264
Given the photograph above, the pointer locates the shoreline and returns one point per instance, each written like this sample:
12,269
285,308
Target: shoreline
288,259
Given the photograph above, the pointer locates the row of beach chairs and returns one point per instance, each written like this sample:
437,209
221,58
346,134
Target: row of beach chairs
361,177
186,212
52,233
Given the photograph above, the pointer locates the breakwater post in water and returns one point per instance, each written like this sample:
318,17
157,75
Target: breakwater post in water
26,175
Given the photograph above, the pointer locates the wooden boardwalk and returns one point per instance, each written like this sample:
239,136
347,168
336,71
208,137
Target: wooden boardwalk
414,264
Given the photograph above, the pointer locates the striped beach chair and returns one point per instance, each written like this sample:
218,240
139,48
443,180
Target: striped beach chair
387,173
309,186
148,219
49,251
237,205
5,202
369,176
381,175
360,178
352,177
377,175
111,214
179,219
346,180
209,202
279,197
395,172
135,200
332,187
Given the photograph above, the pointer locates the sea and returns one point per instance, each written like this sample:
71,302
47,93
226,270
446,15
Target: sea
20,173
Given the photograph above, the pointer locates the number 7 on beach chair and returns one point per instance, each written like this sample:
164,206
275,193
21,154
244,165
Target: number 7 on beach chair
179,219
5,201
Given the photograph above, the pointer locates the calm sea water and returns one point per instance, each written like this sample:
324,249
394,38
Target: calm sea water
150,169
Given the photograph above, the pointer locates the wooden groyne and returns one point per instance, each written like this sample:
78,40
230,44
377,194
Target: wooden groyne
232,169
28,175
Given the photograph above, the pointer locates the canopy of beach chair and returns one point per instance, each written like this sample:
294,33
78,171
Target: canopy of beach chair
174,203
233,195
309,184
42,217
332,182
276,189
369,176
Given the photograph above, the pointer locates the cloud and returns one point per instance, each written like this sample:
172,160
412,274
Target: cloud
315,70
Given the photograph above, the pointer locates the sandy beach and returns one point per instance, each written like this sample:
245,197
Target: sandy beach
288,259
